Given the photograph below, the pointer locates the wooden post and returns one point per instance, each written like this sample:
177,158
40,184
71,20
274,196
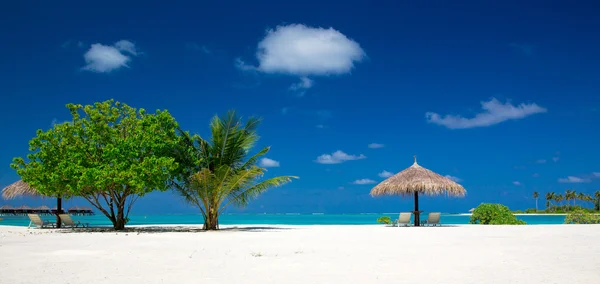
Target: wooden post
417,213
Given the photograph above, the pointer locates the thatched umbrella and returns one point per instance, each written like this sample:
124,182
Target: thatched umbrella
417,180
21,188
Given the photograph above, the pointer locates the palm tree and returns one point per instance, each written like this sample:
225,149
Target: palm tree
569,194
581,196
536,195
559,198
217,173
549,199
597,200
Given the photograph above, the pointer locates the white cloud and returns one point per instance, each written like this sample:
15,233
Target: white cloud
375,145
385,174
338,157
301,50
596,174
541,161
268,163
494,112
240,64
364,181
555,159
305,83
340,187
536,175
126,46
573,179
453,178
517,183
105,58
321,126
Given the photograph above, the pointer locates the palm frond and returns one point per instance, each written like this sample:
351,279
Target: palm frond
243,196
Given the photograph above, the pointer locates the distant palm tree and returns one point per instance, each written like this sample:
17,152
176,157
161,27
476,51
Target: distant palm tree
559,198
549,199
597,200
536,195
581,196
569,195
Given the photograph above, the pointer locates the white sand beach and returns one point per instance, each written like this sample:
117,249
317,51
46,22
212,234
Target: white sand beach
305,254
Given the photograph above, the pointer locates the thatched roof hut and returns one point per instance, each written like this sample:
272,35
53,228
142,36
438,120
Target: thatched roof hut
415,181
6,207
17,189
42,208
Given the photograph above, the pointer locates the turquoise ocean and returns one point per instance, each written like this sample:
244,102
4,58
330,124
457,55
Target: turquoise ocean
276,219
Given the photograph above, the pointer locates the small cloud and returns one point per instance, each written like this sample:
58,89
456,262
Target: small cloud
453,178
305,83
268,163
338,157
126,46
520,167
340,187
596,174
494,112
555,159
285,110
523,48
321,126
385,174
364,181
573,179
536,175
375,145
105,58
541,161
517,183
241,65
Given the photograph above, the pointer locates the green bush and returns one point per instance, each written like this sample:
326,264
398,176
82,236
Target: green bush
531,210
384,220
494,214
580,216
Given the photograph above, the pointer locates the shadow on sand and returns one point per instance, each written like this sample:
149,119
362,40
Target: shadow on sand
170,229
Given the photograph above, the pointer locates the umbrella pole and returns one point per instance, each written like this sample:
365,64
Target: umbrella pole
417,213
58,211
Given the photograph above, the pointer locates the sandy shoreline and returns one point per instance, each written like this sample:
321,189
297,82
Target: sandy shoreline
305,254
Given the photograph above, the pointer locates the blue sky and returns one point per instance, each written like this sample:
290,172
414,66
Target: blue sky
502,95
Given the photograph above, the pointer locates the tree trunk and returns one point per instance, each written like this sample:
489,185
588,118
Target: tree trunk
536,207
211,221
58,211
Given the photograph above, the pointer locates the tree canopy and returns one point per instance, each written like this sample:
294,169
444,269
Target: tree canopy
110,154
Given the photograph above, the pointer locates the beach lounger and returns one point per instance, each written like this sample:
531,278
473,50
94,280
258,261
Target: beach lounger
38,222
433,219
403,219
67,221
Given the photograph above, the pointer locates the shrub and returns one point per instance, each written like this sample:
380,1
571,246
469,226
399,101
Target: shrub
531,210
494,214
384,220
580,216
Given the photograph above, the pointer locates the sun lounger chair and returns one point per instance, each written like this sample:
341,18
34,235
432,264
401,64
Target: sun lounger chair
67,221
403,219
433,219
38,222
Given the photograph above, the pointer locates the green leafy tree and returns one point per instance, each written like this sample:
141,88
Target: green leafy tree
219,171
494,214
110,154
536,195
580,216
